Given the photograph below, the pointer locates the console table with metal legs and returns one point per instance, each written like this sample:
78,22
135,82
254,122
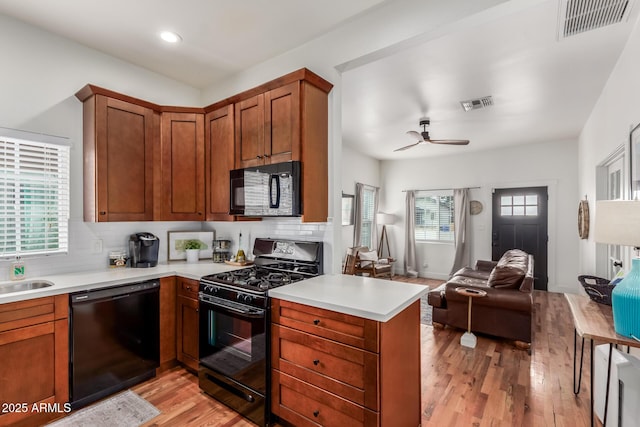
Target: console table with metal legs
594,322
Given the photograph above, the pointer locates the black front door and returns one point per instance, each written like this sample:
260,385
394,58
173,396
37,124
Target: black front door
520,222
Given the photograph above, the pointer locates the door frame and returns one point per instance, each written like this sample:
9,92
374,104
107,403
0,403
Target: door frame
552,228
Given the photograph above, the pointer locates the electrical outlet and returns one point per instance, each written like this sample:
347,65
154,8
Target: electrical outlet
97,246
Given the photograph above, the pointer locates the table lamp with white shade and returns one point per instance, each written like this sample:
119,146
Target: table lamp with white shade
617,222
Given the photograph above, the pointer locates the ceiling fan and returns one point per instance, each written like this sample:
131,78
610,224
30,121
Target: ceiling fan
423,137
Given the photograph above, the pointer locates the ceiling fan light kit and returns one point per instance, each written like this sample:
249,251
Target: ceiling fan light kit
423,137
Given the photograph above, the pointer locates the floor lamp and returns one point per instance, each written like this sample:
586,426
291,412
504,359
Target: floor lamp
384,219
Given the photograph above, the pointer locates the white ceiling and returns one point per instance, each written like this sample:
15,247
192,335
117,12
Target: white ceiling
220,37
543,88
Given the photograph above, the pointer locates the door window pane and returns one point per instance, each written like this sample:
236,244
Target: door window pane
519,205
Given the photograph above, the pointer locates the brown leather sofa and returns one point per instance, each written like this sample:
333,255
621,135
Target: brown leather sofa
506,310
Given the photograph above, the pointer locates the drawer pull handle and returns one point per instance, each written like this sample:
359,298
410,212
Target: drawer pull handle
316,362
316,322
316,413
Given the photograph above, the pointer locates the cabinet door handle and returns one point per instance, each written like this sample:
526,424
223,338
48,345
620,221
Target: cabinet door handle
103,212
266,155
316,413
258,157
316,362
316,322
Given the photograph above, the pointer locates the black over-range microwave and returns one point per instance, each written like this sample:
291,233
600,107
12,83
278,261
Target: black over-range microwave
269,190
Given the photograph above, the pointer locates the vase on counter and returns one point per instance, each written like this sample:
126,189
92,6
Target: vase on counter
193,255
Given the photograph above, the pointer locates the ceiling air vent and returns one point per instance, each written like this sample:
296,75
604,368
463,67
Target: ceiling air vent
578,16
477,104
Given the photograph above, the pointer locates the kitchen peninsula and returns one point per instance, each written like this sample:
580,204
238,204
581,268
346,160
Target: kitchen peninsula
346,351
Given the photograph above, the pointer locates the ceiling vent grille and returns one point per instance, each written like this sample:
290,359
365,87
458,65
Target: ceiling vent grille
477,104
578,16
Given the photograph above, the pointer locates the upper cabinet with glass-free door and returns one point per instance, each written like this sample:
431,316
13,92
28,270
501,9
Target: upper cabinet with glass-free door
283,120
119,142
268,127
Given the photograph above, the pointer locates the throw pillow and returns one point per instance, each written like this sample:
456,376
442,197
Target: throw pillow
367,258
504,276
510,270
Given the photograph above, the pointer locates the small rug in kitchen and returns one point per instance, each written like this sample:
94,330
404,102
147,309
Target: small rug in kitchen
126,409
425,311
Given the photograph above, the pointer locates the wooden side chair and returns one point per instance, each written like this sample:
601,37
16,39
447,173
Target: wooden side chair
351,260
361,261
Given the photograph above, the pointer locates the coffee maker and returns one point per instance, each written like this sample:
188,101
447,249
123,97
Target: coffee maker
143,250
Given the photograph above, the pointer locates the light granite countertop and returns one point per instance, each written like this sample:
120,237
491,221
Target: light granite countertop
96,279
374,299
370,298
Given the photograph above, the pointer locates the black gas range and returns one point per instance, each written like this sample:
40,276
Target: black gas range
234,323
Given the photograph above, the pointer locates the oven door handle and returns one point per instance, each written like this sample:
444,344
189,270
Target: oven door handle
245,313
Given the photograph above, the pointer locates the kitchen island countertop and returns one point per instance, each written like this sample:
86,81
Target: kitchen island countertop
96,279
374,299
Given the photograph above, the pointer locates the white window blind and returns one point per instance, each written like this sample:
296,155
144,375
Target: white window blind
368,204
434,215
34,194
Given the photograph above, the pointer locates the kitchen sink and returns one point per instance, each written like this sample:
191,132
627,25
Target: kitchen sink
24,286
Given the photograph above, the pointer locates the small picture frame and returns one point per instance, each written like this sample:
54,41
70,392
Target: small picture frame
177,239
634,155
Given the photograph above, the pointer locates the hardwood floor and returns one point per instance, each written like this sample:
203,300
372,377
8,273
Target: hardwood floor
494,384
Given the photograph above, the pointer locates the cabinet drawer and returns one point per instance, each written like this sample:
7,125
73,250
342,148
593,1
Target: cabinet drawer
32,312
305,405
346,329
188,288
347,371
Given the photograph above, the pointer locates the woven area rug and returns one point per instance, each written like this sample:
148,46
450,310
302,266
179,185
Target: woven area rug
126,409
425,311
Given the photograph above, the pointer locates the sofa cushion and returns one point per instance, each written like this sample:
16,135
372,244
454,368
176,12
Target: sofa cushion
510,270
473,273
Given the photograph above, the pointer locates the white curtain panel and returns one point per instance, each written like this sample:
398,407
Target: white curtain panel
374,225
461,221
410,253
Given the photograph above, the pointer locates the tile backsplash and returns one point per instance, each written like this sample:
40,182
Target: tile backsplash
90,243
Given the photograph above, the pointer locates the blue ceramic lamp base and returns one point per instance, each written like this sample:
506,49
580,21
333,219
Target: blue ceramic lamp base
625,303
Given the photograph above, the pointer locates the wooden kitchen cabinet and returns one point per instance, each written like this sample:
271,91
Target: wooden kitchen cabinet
219,160
330,368
289,121
120,138
168,305
34,355
187,323
181,193
268,127
144,161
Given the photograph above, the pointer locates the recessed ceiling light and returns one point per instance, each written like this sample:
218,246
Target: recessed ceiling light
170,37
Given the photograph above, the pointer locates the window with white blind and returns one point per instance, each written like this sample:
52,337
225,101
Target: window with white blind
368,205
434,215
34,194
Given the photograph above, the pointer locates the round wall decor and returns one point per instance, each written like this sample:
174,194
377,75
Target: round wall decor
475,207
583,219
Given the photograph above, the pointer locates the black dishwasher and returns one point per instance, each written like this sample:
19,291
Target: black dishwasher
114,340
